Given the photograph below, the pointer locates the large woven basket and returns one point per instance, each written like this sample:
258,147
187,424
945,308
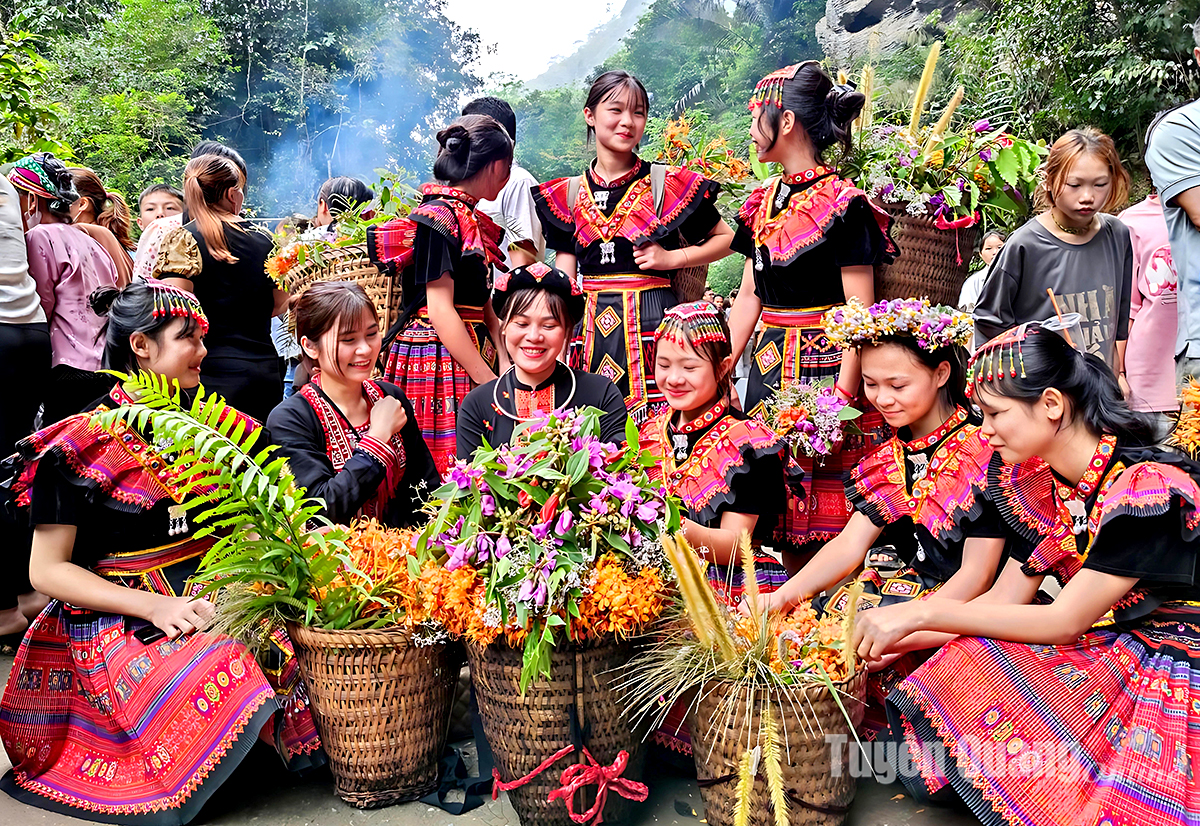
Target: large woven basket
809,776
933,262
525,730
350,263
382,706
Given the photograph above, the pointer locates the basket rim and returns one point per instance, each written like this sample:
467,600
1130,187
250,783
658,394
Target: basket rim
347,635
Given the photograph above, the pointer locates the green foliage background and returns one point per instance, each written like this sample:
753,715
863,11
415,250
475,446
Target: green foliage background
306,89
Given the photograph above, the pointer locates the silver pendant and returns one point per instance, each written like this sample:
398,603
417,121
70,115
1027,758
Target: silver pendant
782,197
1078,516
601,198
920,464
680,442
758,259
608,252
177,520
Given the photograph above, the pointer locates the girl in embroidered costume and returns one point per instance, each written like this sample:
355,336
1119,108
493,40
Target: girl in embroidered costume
811,240
926,486
1065,712
351,441
726,467
624,227
101,719
442,345
538,307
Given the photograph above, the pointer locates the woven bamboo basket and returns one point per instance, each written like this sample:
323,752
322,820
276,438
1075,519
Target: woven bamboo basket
933,262
525,730
351,263
808,773
382,707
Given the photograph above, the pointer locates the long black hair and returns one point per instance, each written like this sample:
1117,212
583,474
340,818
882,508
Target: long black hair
1044,359
825,110
468,145
343,193
130,311
954,392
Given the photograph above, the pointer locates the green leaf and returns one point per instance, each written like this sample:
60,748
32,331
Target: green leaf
1006,164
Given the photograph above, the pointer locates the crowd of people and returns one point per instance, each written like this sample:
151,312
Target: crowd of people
969,480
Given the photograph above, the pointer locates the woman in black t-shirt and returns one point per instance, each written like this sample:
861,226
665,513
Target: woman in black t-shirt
221,258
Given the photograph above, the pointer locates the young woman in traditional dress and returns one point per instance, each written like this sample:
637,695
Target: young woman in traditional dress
727,468
624,227
538,307
926,486
442,345
1064,712
118,708
811,240
351,441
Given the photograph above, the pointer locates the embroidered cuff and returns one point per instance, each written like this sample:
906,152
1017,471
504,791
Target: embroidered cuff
382,452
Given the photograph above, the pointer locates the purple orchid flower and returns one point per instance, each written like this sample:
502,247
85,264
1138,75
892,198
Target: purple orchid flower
565,521
487,505
982,126
503,546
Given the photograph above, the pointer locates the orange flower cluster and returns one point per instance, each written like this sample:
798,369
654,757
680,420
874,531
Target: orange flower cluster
810,643
280,264
456,599
714,160
618,603
786,419
378,558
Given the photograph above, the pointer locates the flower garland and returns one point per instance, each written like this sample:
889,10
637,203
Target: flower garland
932,325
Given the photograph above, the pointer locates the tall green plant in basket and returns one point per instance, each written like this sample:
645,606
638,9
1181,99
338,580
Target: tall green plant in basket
275,558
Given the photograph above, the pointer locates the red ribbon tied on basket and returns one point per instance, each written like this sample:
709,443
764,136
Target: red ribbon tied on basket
576,777
961,223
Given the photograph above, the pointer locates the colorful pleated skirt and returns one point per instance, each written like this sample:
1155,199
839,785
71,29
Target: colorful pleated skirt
421,366
792,348
620,318
1102,732
100,726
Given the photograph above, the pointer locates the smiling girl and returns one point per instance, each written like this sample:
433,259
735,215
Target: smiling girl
1063,713
624,227
538,306
811,239
119,707
727,468
1073,249
926,485
351,441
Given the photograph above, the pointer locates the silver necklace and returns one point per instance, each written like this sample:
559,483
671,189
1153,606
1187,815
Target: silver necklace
514,416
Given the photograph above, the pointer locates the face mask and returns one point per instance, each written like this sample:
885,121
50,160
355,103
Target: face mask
34,216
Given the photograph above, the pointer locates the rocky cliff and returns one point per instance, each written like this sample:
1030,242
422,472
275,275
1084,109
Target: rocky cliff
847,27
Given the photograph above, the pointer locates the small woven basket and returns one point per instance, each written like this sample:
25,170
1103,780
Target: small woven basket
525,730
382,707
933,262
350,263
815,795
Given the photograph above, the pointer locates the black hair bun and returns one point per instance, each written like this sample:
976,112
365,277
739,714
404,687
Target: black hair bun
844,103
456,140
102,298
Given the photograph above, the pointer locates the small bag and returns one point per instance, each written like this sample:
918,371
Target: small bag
688,283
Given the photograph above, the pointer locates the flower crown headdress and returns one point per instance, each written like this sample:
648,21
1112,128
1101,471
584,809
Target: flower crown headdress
699,320
1005,353
933,326
176,303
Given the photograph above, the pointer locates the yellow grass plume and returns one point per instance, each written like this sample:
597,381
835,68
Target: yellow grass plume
914,122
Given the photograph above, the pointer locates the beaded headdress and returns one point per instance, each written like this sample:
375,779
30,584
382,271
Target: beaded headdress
1005,354
694,323
176,303
933,326
769,90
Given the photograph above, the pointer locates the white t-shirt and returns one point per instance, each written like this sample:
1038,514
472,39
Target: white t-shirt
515,213
971,288
19,301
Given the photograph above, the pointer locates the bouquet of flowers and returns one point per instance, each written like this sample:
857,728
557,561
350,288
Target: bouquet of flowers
554,536
812,418
955,176
687,142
